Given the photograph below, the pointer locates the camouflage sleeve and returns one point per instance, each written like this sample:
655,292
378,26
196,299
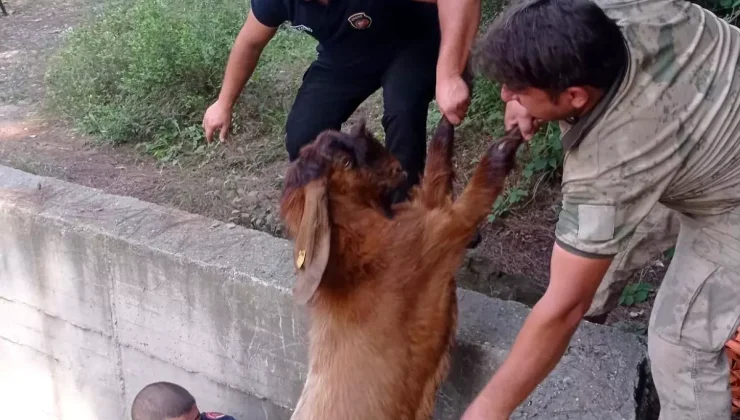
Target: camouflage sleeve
607,191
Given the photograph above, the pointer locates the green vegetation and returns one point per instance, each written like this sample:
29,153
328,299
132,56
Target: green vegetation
635,293
144,73
544,162
541,160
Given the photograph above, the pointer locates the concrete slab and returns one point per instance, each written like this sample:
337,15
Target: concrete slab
148,293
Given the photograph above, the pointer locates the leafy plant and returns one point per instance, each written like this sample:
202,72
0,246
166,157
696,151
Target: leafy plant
506,201
546,153
544,158
670,253
635,293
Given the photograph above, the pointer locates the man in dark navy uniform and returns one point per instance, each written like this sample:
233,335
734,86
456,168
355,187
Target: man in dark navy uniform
412,49
168,401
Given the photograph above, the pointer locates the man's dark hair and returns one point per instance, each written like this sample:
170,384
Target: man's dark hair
160,401
552,45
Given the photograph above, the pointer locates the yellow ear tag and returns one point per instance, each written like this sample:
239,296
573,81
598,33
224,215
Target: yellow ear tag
301,258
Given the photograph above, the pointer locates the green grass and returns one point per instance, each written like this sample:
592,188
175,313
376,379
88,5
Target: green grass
145,72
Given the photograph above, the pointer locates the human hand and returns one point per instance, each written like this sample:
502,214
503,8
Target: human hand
217,117
516,114
453,98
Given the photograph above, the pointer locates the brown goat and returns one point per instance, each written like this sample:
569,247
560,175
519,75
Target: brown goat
380,289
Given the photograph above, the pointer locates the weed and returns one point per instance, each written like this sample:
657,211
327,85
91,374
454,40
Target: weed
544,159
670,253
635,293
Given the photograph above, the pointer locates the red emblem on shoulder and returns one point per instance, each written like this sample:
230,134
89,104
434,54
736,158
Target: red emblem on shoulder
213,415
360,21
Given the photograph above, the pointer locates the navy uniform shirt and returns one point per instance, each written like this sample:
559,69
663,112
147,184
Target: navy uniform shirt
344,29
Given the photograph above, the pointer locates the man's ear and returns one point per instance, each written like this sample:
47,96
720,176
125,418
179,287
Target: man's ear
312,243
578,96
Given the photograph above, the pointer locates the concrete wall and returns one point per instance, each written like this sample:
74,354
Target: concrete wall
100,295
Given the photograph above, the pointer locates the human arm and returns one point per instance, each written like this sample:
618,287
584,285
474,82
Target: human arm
612,179
243,59
458,21
553,320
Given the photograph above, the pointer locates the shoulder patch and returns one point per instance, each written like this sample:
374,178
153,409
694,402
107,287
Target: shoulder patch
596,223
360,21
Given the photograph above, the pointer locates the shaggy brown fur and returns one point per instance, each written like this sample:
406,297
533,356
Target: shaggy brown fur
381,290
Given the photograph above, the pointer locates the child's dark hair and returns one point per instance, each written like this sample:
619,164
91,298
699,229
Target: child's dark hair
160,401
552,45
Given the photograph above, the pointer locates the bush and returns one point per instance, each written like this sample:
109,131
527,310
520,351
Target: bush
146,71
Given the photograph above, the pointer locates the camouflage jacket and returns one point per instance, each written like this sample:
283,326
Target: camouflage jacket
668,131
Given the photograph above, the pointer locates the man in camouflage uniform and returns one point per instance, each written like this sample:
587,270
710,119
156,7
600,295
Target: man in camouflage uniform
648,96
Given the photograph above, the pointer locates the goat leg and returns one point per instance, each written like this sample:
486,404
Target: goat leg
487,182
436,190
436,184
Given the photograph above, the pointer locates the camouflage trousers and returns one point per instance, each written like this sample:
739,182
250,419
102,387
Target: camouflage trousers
696,310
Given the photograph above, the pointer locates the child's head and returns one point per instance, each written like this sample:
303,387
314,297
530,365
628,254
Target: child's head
164,401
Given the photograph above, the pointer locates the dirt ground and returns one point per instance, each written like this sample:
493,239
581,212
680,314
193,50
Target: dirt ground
512,262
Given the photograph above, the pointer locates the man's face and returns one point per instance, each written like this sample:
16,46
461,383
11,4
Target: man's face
542,106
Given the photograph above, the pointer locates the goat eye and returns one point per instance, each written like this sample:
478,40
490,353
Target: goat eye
346,163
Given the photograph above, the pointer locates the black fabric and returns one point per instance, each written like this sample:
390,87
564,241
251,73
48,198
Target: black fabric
343,27
332,91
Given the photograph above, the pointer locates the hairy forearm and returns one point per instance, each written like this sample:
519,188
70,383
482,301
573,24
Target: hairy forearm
458,20
242,62
541,343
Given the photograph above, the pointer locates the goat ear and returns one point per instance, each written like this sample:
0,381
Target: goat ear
312,244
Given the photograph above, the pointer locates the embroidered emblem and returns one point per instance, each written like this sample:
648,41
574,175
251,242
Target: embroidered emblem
301,28
360,21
